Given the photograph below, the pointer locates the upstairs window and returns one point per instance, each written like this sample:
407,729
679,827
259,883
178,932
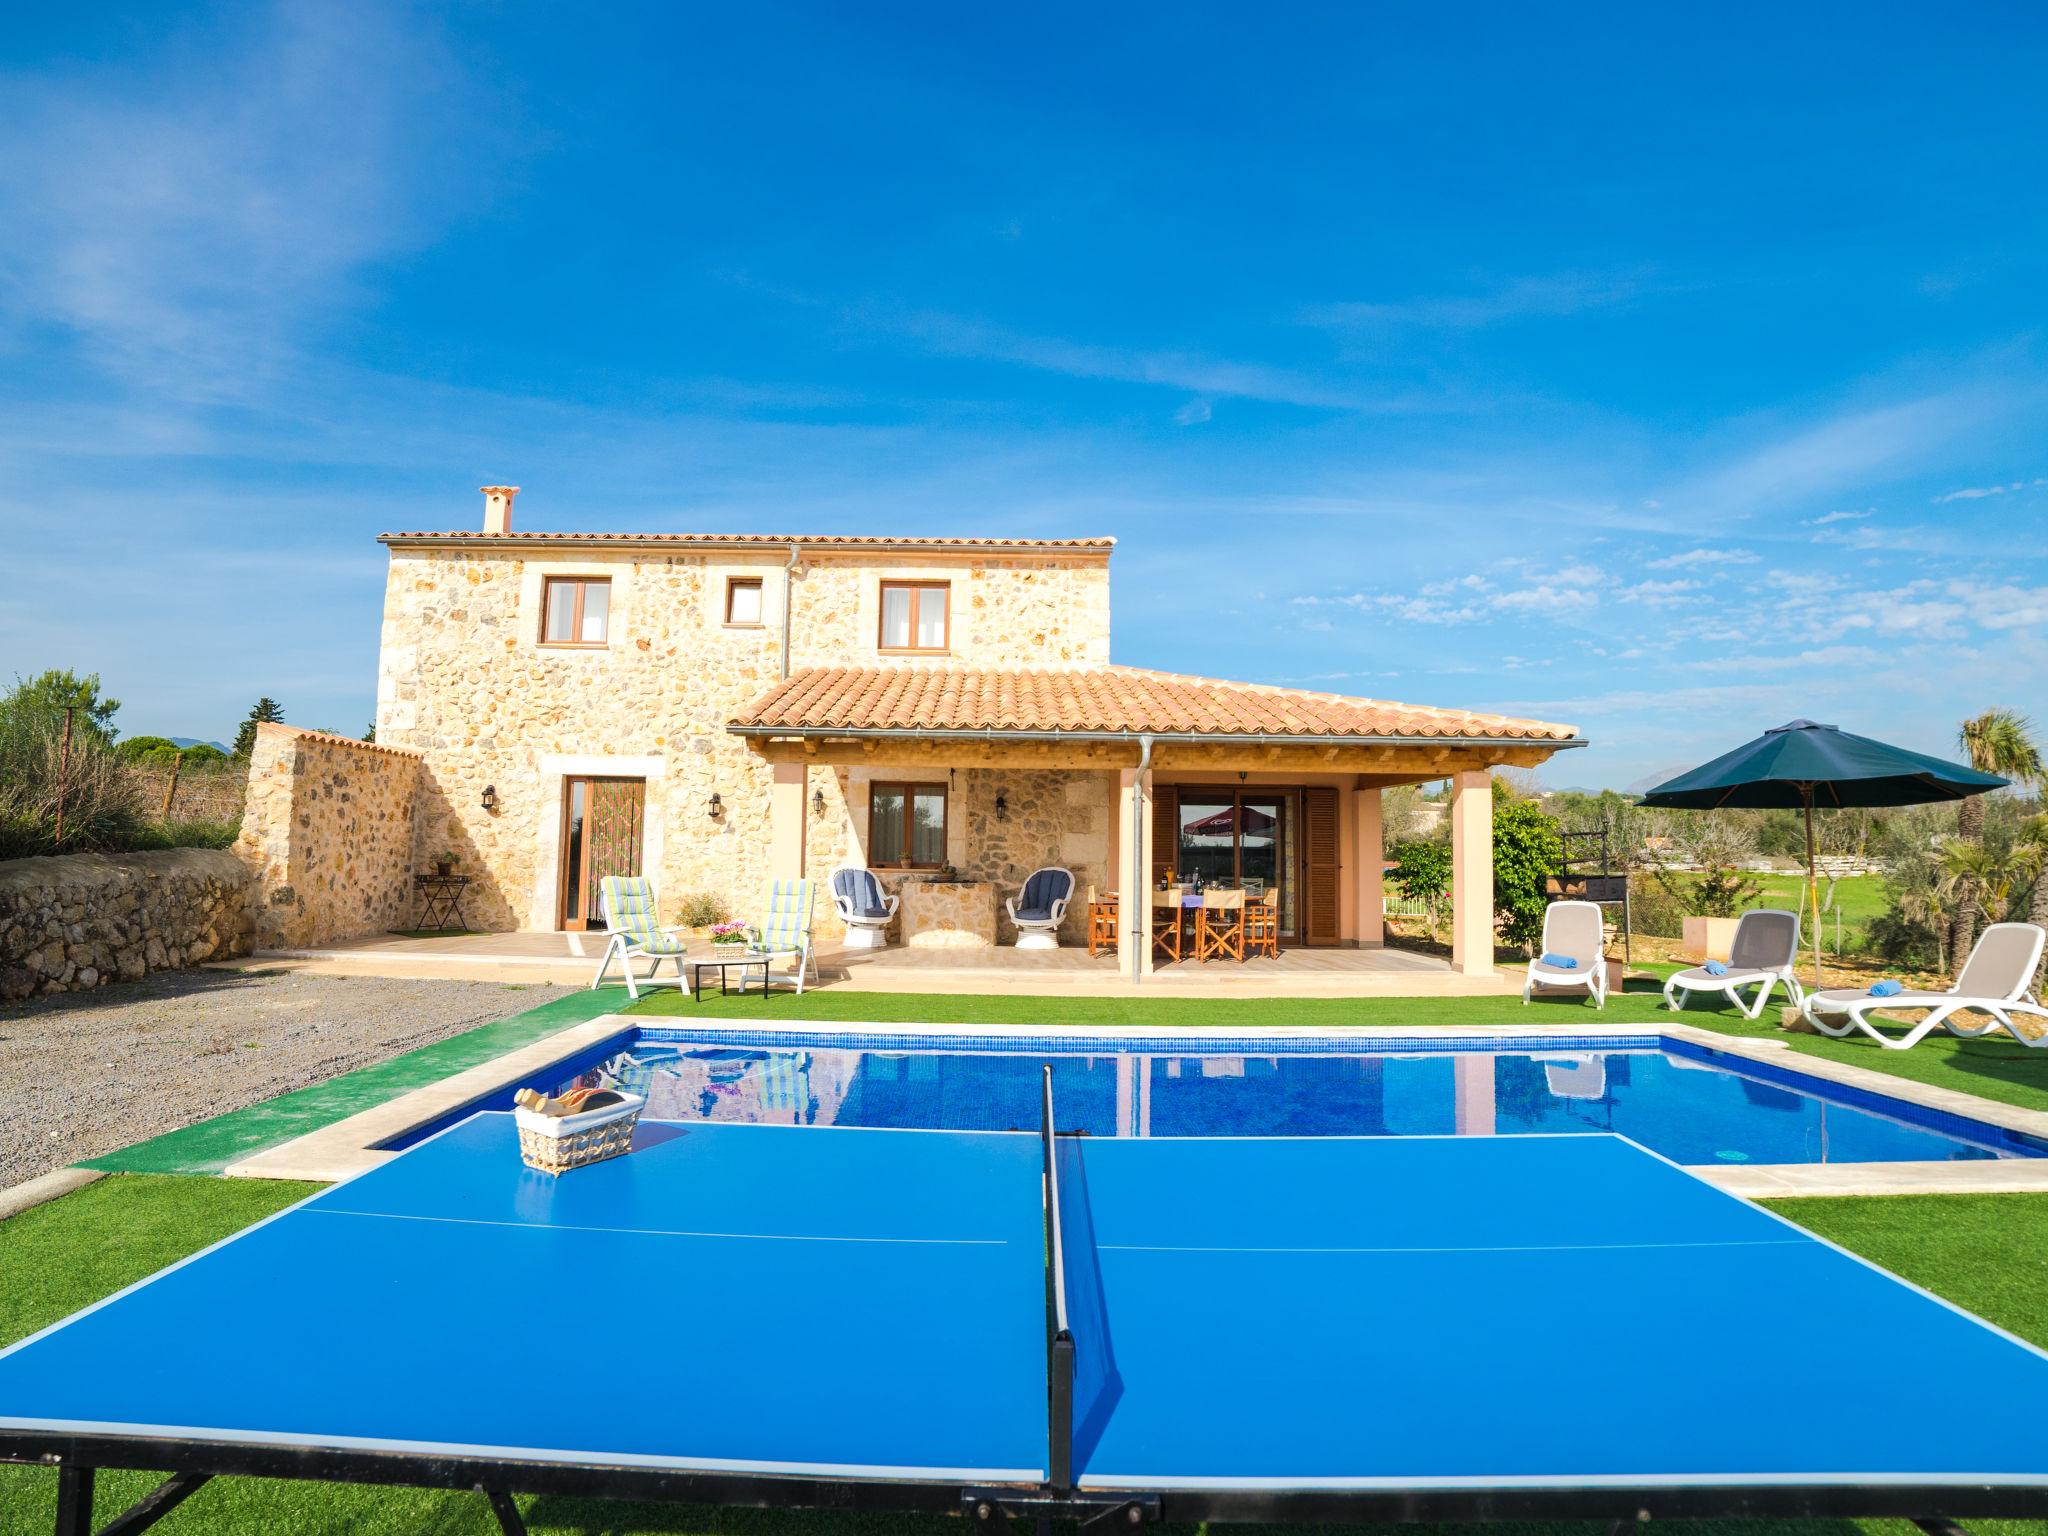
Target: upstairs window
907,825
575,610
916,616
743,601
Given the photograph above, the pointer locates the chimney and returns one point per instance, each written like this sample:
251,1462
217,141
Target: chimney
498,507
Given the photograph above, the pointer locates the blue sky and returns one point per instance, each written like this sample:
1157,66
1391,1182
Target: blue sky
1669,372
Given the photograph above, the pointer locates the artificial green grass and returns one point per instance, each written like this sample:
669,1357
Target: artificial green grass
212,1144
1985,1251
2000,1069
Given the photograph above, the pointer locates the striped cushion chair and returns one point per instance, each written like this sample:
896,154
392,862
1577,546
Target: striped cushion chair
626,903
785,933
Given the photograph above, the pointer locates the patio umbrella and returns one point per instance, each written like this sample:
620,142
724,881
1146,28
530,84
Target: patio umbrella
1802,765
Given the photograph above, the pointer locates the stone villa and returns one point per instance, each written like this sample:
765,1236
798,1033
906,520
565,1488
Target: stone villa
716,710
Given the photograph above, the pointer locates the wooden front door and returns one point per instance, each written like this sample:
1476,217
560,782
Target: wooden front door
1320,865
601,826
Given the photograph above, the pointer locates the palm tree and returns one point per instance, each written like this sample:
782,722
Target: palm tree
1997,741
2030,856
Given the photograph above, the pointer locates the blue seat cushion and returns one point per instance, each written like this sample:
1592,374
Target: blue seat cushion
1042,890
861,891
1034,914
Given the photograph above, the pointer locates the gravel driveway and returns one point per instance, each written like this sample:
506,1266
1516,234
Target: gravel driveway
86,1073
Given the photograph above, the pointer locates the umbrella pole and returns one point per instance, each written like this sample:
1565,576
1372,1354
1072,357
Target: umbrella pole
1812,884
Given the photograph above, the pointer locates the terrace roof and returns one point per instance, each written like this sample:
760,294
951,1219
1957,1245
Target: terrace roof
1107,701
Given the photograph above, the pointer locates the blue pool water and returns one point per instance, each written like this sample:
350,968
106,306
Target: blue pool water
1692,1105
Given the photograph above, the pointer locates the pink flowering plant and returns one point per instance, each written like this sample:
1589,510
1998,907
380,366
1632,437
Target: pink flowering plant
729,933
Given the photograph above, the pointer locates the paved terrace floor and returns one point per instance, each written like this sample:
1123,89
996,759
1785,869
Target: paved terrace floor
573,957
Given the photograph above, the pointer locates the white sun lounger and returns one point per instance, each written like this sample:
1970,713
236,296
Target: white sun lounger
1765,947
1997,980
1571,931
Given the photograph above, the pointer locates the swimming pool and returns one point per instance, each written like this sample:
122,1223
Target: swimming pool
1687,1102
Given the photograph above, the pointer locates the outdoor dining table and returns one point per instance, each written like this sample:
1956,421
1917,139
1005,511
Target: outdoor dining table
1177,938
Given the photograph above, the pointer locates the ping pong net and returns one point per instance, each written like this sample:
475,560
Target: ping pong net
1081,1379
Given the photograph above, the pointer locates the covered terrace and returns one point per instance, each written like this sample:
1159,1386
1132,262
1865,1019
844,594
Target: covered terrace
1132,778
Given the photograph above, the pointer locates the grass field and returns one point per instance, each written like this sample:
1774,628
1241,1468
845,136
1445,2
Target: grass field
1859,899
1989,1253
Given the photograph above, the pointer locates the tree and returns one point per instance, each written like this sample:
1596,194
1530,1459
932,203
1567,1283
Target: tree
267,711
1423,871
1527,851
2030,854
1997,741
371,733
33,710
1977,881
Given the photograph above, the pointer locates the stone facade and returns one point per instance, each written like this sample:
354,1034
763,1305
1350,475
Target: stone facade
466,683
958,914
327,830
85,919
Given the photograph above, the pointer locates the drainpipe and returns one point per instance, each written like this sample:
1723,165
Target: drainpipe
788,586
1139,912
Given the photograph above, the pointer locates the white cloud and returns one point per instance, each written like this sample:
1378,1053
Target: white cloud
190,227
1979,492
1194,413
1703,556
1520,298
1836,517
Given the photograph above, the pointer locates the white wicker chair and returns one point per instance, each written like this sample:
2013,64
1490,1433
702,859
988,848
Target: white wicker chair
1038,908
863,907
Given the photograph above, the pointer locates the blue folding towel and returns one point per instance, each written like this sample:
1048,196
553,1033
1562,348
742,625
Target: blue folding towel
1715,968
1560,962
1886,988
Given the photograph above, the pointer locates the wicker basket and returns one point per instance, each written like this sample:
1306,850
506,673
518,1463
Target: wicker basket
557,1143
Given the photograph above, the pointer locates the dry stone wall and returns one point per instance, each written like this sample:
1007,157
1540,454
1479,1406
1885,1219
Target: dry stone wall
327,831
79,921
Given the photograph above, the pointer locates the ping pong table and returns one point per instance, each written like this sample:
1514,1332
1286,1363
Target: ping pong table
1019,1324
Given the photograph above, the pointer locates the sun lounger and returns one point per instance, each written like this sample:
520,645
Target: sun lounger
626,902
1766,946
1571,931
1997,981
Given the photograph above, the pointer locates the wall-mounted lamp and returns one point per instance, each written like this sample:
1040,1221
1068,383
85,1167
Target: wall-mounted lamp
491,798
817,802
716,808
1002,806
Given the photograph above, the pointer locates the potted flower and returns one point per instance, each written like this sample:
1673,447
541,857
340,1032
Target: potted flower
444,864
729,933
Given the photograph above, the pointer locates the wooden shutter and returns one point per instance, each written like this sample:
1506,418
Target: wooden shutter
1165,830
1319,855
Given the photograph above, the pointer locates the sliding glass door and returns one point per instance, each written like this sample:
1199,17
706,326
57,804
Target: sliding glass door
1240,837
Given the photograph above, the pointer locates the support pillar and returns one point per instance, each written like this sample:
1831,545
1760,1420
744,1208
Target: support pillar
786,818
1472,873
1134,871
1368,859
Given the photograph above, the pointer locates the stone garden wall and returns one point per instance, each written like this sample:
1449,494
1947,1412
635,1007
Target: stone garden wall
85,919
327,831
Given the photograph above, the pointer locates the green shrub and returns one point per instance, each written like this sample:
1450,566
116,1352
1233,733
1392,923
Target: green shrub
700,909
1527,851
1655,908
1423,872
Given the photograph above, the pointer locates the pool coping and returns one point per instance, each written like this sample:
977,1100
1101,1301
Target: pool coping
349,1147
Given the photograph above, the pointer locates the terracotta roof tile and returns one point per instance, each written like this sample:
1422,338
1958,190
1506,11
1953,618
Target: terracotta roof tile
806,540
1101,699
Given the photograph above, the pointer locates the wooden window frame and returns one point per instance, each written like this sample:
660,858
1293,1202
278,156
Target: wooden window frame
944,648
547,587
732,585
908,787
